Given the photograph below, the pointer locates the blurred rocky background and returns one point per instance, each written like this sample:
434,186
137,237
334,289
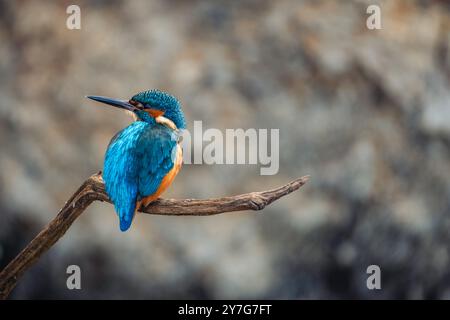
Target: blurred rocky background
365,112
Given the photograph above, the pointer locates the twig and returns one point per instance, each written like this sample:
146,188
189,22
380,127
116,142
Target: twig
93,189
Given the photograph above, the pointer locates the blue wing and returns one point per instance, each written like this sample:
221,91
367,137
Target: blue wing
156,150
136,161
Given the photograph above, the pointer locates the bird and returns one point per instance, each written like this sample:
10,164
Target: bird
143,159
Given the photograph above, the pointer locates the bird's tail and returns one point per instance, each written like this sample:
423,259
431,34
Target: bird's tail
126,215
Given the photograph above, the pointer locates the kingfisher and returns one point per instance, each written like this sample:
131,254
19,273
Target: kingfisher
143,159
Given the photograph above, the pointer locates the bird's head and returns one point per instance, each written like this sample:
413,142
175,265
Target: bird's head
150,104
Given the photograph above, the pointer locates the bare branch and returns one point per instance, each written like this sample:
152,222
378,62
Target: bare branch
93,189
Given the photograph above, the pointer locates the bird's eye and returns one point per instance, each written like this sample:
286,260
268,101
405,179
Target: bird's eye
136,104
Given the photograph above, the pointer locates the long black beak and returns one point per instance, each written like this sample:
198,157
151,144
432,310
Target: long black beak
114,102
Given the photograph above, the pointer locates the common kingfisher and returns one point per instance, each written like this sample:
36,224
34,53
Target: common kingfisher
142,160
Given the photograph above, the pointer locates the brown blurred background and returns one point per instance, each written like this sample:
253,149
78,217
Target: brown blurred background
365,112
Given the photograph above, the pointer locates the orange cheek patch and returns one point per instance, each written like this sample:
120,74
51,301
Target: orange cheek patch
154,113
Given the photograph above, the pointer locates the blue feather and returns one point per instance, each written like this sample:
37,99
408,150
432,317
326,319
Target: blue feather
136,161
